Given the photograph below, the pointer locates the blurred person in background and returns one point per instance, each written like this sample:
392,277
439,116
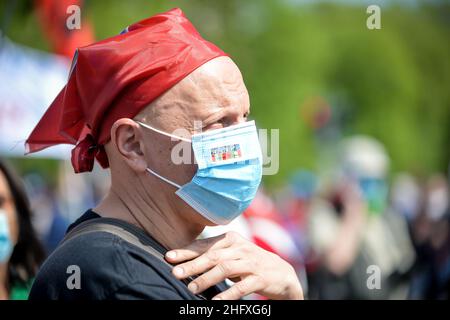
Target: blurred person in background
406,196
48,221
350,229
20,250
430,229
294,203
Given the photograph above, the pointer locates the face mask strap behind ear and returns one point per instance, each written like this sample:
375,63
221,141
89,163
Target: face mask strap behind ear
164,179
168,135
162,132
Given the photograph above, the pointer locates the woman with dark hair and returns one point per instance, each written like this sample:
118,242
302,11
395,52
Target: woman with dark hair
20,250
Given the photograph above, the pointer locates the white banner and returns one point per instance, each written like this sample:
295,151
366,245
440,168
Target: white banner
29,81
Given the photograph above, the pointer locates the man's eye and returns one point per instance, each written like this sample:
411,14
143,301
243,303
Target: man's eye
221,122
216,125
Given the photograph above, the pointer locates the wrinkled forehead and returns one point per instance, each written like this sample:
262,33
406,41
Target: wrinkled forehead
216,85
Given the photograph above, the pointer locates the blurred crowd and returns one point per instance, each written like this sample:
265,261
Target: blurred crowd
359,222
356,232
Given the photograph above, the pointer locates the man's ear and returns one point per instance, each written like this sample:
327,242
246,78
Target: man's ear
127,140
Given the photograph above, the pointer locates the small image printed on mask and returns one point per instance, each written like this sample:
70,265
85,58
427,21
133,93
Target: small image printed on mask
225,153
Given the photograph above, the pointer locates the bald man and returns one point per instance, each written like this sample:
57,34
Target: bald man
153,199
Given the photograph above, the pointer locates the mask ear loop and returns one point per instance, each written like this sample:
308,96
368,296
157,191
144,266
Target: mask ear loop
168,135
163,133
164,179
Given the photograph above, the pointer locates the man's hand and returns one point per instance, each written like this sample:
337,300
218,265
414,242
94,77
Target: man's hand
253,269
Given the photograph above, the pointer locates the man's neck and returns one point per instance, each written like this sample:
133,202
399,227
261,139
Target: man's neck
161,222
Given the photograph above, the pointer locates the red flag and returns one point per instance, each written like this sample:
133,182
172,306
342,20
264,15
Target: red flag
53,16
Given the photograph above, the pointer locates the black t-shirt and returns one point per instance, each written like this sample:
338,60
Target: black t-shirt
109,268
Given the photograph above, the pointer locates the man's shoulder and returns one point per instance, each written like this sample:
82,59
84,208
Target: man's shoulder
100,264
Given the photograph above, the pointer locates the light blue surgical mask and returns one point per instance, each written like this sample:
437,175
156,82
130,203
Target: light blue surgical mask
6,246
229,171
374,192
